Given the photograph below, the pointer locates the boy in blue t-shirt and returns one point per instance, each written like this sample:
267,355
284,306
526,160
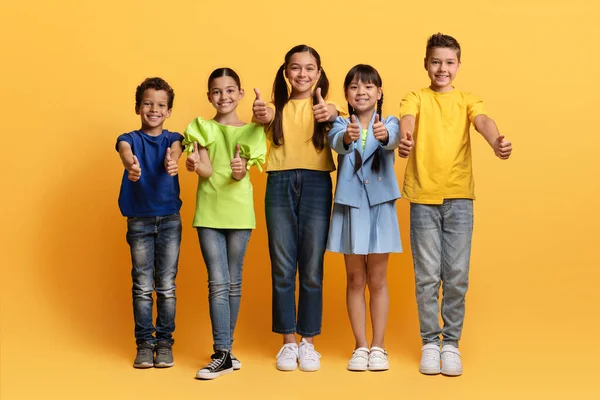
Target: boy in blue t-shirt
149,198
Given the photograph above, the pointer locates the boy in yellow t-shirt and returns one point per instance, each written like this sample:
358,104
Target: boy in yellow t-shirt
439,184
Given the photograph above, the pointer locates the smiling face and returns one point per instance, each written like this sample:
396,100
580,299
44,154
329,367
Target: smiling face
302,71
224,94
154,110
442,66
363,96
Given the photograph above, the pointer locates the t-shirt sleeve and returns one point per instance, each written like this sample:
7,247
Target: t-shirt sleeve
253,146
410,105
126,137
175,137
475,107
197,131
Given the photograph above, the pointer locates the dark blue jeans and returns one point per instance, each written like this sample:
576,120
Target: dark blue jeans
298,208
154,244
223,251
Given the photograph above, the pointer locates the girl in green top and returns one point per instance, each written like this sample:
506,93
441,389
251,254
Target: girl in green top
221,151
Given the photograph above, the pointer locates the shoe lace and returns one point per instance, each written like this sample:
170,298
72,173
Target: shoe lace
214,363
163,350
431,354
452,357
309,353
360,354
378,354
287,352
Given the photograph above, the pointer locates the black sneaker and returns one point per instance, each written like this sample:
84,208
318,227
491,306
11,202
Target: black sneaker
145,355
164,354
220,365
235,363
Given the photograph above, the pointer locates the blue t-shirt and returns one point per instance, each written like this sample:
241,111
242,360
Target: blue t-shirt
155,193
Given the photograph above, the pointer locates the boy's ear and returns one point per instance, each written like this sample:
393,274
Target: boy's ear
208,97
425,63
169,112
137,110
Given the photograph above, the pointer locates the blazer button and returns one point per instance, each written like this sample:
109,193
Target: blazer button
367,182
379,179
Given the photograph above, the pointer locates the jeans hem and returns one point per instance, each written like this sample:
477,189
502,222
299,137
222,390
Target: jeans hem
283,331
308,335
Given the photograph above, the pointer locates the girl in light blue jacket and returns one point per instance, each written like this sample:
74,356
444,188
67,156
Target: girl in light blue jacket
364,225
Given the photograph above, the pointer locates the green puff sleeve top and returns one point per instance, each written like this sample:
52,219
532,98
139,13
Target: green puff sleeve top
221,201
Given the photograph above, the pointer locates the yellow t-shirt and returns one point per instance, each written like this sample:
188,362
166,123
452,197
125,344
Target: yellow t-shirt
297,150
439,166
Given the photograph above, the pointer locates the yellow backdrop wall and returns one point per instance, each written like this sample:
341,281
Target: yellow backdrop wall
69,71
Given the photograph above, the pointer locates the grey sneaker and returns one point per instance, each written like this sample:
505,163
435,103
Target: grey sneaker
164,354
145,355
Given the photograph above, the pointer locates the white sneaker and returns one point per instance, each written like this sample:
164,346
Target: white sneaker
378,360
430,359
451,364
309,358
287,358
359,360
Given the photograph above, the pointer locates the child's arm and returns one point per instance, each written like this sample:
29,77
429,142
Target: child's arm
407,128
262,114
342,134
130,161
199,162
172,158
488,129
238,165
324,112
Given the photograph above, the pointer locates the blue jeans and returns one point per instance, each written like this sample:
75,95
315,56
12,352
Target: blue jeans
223,251
440,237
298,208
154,244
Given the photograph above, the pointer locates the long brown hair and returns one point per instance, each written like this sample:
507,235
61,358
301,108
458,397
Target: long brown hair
281,97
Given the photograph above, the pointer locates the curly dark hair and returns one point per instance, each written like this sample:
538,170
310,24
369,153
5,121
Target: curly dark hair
441,40
156,84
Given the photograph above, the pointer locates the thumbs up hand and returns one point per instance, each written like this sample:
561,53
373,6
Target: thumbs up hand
352,131
238,165
379,130
134,170
502,148
259,109
193,159
170,164
320,108
406,145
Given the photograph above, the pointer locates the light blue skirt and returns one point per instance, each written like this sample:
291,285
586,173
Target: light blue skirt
364,230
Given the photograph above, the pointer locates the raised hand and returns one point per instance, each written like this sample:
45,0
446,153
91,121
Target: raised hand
406,145
379,130
352,131
502,148
134,170
320,109
259,109
170,164
193,159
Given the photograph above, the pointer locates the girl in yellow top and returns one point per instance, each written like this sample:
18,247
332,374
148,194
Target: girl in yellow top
224,214
298,199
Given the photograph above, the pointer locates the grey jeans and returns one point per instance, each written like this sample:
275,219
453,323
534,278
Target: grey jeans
440,238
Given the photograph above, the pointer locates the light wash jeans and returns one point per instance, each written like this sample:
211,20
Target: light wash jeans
298,208
154,244
440,238
223,251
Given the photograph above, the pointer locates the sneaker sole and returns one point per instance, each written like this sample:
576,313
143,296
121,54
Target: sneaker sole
309,369
431,371
356,368
164,365
143,365
451,373
213,375
286,368
379,368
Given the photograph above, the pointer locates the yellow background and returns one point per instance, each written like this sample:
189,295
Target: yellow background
69,71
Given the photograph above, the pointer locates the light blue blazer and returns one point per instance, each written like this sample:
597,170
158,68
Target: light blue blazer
381,186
